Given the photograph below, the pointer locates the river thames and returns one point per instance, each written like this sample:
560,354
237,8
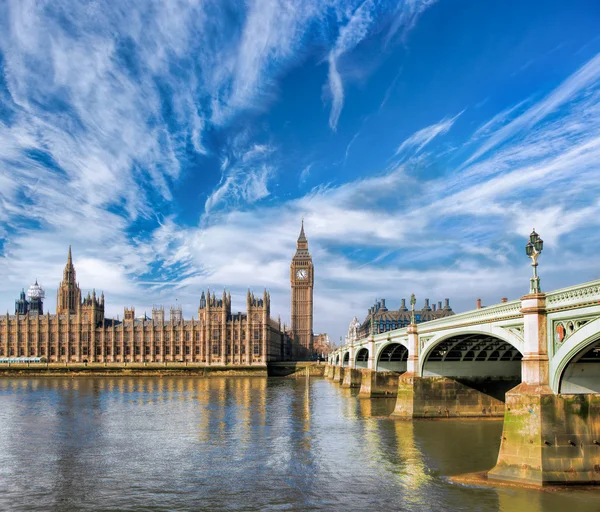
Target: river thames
240,443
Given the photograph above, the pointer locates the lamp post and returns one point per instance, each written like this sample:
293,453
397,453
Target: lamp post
413,301
533,249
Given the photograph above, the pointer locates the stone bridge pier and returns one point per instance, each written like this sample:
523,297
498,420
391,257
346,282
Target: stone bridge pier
547,438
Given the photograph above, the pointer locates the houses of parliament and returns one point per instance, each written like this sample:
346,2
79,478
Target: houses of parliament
80,332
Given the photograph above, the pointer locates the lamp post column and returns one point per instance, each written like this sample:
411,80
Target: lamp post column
412,364
534,365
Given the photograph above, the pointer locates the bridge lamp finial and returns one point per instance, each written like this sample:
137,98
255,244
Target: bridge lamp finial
533,249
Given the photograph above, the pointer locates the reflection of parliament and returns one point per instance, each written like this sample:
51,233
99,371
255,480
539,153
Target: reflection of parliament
79,331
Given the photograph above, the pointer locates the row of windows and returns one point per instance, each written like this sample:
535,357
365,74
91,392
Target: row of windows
85,336
23,328
136,350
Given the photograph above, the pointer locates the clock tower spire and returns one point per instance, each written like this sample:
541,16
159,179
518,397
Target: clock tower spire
302,282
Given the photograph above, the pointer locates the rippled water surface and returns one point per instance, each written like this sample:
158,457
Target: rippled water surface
237,443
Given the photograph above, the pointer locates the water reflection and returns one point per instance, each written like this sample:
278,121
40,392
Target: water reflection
185,443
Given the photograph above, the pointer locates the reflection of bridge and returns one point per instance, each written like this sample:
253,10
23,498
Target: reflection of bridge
540,355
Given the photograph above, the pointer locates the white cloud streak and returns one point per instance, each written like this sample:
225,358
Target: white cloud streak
583,79
418,140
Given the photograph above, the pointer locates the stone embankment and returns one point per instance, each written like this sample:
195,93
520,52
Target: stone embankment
293,369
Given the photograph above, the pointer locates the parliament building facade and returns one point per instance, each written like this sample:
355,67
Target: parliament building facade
80,332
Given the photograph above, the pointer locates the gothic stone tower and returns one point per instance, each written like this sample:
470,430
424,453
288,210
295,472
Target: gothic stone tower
68,297
302,282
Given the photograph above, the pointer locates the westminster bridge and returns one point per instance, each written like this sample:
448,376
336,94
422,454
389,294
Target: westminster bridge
534,361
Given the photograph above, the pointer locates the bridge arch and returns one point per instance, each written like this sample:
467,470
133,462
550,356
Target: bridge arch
362,358
337,359
478,359
493,332
346,359
392,356
575,367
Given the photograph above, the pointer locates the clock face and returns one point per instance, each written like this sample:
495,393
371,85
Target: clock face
301,274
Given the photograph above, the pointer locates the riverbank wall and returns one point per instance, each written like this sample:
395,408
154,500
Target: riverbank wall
81,369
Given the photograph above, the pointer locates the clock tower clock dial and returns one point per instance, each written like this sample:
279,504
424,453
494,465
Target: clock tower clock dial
302,281
301,274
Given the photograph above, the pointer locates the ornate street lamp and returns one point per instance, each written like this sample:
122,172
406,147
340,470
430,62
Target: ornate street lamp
533,249
413,301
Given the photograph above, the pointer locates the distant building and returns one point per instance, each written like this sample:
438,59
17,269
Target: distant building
385,319
80,332
322,345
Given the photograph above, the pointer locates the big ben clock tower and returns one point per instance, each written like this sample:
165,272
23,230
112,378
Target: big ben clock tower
302,281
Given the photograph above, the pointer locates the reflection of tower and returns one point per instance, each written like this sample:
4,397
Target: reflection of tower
302,282
68,297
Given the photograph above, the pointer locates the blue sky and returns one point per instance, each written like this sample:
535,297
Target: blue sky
177,145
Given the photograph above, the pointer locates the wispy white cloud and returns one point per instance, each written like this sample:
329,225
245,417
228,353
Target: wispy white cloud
418,140
357,28
583,79
498,120
245,177
349,146
406,16
390,89
349,37
305,173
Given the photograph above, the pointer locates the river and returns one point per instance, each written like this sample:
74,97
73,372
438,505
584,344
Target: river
240,443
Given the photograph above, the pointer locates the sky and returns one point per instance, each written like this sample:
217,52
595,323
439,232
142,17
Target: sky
178,145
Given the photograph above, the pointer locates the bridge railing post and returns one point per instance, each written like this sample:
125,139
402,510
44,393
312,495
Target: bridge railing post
534,365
